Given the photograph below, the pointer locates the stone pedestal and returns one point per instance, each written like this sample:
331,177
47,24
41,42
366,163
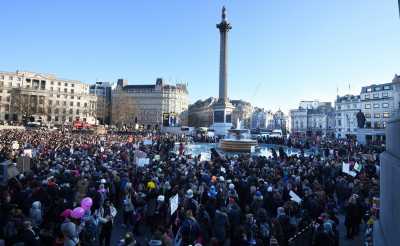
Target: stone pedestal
222,117
387,228
362,134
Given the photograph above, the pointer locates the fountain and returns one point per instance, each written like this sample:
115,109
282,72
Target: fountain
237,140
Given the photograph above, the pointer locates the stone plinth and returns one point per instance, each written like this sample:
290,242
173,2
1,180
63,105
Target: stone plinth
387,228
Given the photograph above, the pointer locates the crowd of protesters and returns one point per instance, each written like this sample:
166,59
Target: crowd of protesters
238,200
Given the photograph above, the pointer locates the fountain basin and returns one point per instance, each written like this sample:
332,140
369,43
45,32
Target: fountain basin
237,140
232,145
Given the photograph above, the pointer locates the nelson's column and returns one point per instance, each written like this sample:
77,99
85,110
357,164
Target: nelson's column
222,110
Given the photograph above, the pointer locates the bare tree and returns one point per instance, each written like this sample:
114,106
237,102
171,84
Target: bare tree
25,105
124,109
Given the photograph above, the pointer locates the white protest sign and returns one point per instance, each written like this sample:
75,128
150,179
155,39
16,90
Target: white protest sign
223,170
174,203
15,145
346,170
205,156
345,167
141,162
28,153
147,142
157,157
294,197
252,149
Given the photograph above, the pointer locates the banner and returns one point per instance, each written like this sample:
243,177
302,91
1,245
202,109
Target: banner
174,203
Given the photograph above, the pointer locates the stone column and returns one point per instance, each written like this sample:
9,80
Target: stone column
224,28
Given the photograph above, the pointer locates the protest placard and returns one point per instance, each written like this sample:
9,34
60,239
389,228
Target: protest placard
294,197
357,167
174,203
141,162
147,142
205,156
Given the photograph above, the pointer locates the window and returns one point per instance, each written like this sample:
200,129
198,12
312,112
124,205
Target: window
366,96
376,105
11,78
377,115
56,118
77,111
57,103
78,104
8,99
73,85
64,111
71,111
339,114
385,115
58,95
52,82
65,84
59,83
367,115
385,105
85,105
338,107
51,88
369,89
378,88
387,87
72,91
58,89
65,90
56,110
72,97
376,95
368,106
28,80
339,122
50,102
64,103
385,94
71,104
354,105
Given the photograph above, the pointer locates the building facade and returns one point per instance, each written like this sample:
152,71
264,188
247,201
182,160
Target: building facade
44,97
242,113
260,118
201,113
379,103
279,121
313,118
151,106
103,92
346,109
